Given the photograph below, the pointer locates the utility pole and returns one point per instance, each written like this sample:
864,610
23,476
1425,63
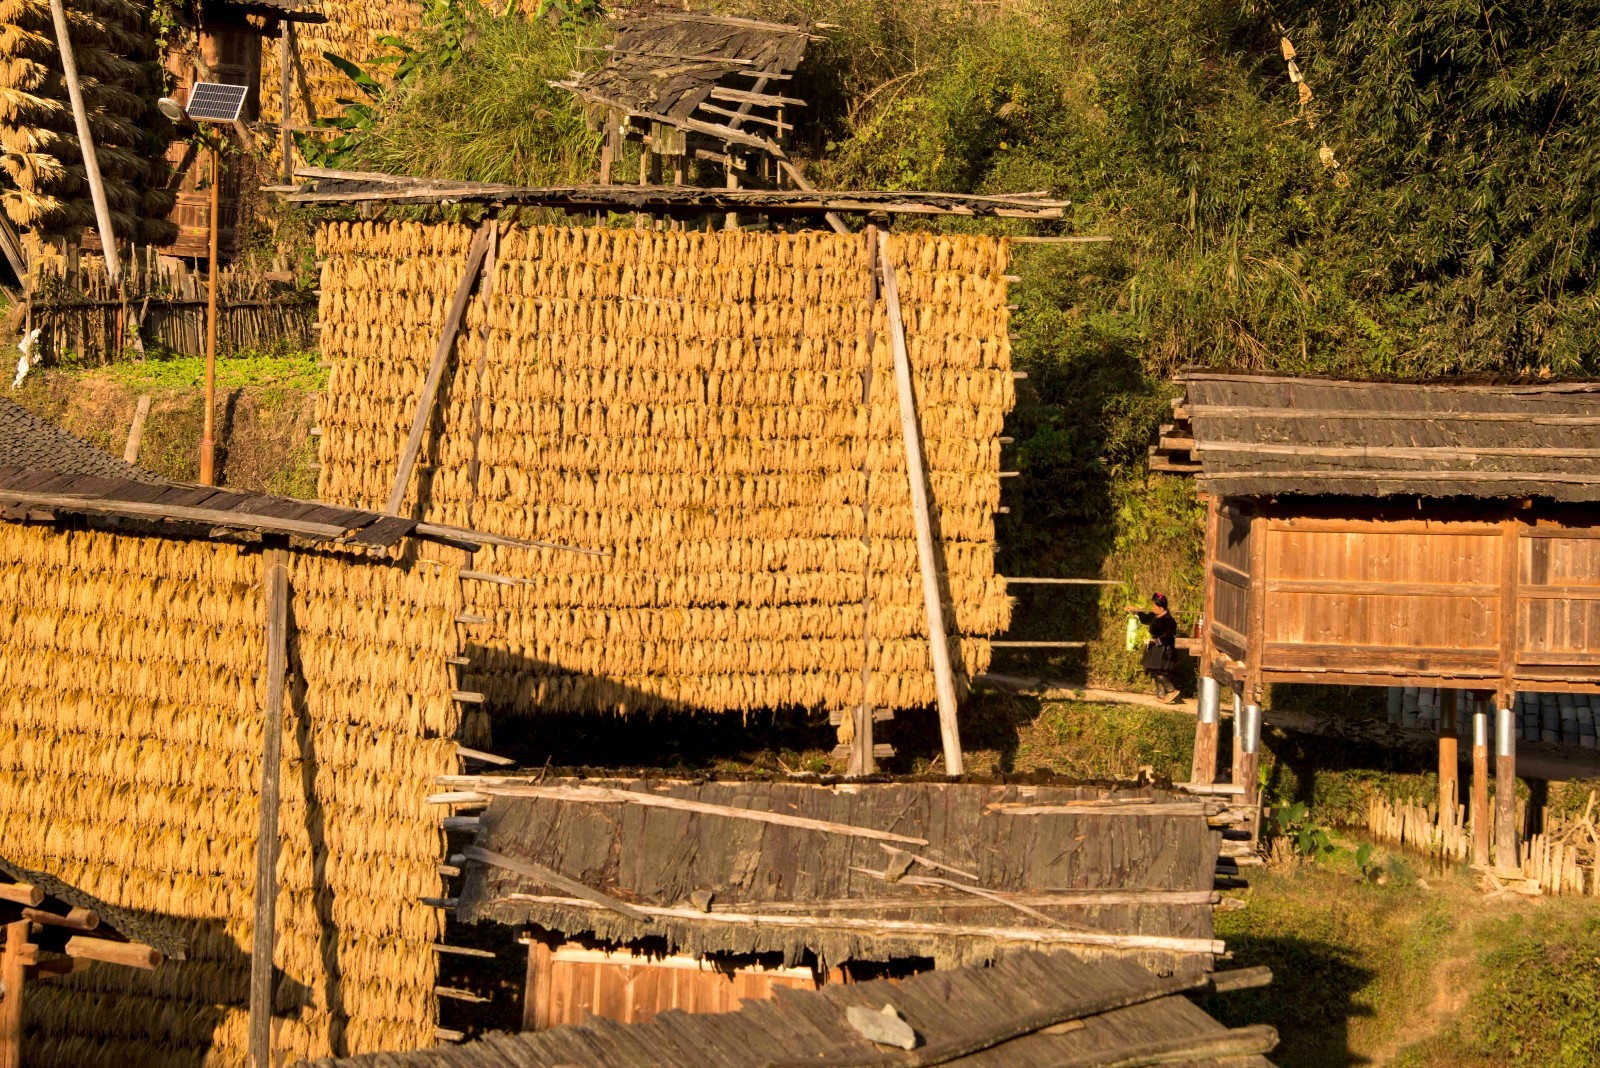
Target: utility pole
91,162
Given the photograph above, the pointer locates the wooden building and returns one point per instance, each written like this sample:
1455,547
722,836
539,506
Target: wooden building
1393,534
639,896
1029,1010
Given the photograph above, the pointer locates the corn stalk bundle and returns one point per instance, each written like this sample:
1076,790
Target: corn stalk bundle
693,403
130,765
352,31
44,183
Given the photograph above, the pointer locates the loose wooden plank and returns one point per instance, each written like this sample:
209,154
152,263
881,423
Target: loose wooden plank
927,552
275,579
553,878
607,795
441,356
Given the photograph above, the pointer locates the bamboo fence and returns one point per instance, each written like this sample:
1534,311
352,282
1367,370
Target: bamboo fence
694,404
82,315
130,765
1563,859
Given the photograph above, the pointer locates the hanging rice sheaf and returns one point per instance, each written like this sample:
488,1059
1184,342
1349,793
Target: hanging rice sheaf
45,187
352,32
130,766
717,411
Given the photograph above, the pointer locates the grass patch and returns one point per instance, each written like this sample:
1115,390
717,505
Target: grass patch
1352,962
164,374
1536,1004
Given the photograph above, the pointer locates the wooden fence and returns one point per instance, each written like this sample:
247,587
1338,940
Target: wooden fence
1562,859
161,308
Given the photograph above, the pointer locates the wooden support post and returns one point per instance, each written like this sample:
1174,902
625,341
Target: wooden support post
731,220
208,447
285,94
1449,758
862,761
1505,786
1207,731
275,580
1236,767
91,161
441,356
1249,729
1480,784
536,996
13,978
141,412
921,513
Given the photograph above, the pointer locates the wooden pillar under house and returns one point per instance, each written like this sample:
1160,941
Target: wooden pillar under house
1449,757
1505,785
1480,784
1250,746
15,956
1207,730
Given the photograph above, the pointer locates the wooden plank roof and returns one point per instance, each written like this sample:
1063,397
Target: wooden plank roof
666,64
323,186
46,471
130,925
1127,870
1255,435
1028,1010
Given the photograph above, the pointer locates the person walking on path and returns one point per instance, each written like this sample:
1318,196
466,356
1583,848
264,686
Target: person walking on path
1161,651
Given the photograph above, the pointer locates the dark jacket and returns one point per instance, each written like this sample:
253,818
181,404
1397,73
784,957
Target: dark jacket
1161,652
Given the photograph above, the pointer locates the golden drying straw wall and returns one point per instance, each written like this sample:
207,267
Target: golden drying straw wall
352,31
130,741
117,63
693,403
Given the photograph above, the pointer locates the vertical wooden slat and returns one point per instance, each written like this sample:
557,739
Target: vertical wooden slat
276,583
921,514
441,356
13,980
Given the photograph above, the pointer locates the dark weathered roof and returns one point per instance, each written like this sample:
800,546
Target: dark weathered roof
45,470
1261,436
977,1017
29,441
128,924
666,64
323,186
1098,873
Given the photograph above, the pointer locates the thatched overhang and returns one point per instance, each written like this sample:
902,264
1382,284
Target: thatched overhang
957,872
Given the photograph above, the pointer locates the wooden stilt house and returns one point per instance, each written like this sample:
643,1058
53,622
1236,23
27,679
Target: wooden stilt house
223,711
1369,533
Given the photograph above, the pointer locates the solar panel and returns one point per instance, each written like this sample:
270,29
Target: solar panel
215,102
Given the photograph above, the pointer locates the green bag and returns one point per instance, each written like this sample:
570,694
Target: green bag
1138,633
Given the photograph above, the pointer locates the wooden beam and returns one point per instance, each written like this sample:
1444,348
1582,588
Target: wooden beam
211,516
741,96
275,582
127,954
21,894
550,877
921,514
441,356
285,93
1009,581
76,919
1409,415
91,160
875,925
1399,452
863,760
608,796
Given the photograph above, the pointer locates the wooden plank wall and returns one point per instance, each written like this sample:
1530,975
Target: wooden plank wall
570,983
1419,600
1230,570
